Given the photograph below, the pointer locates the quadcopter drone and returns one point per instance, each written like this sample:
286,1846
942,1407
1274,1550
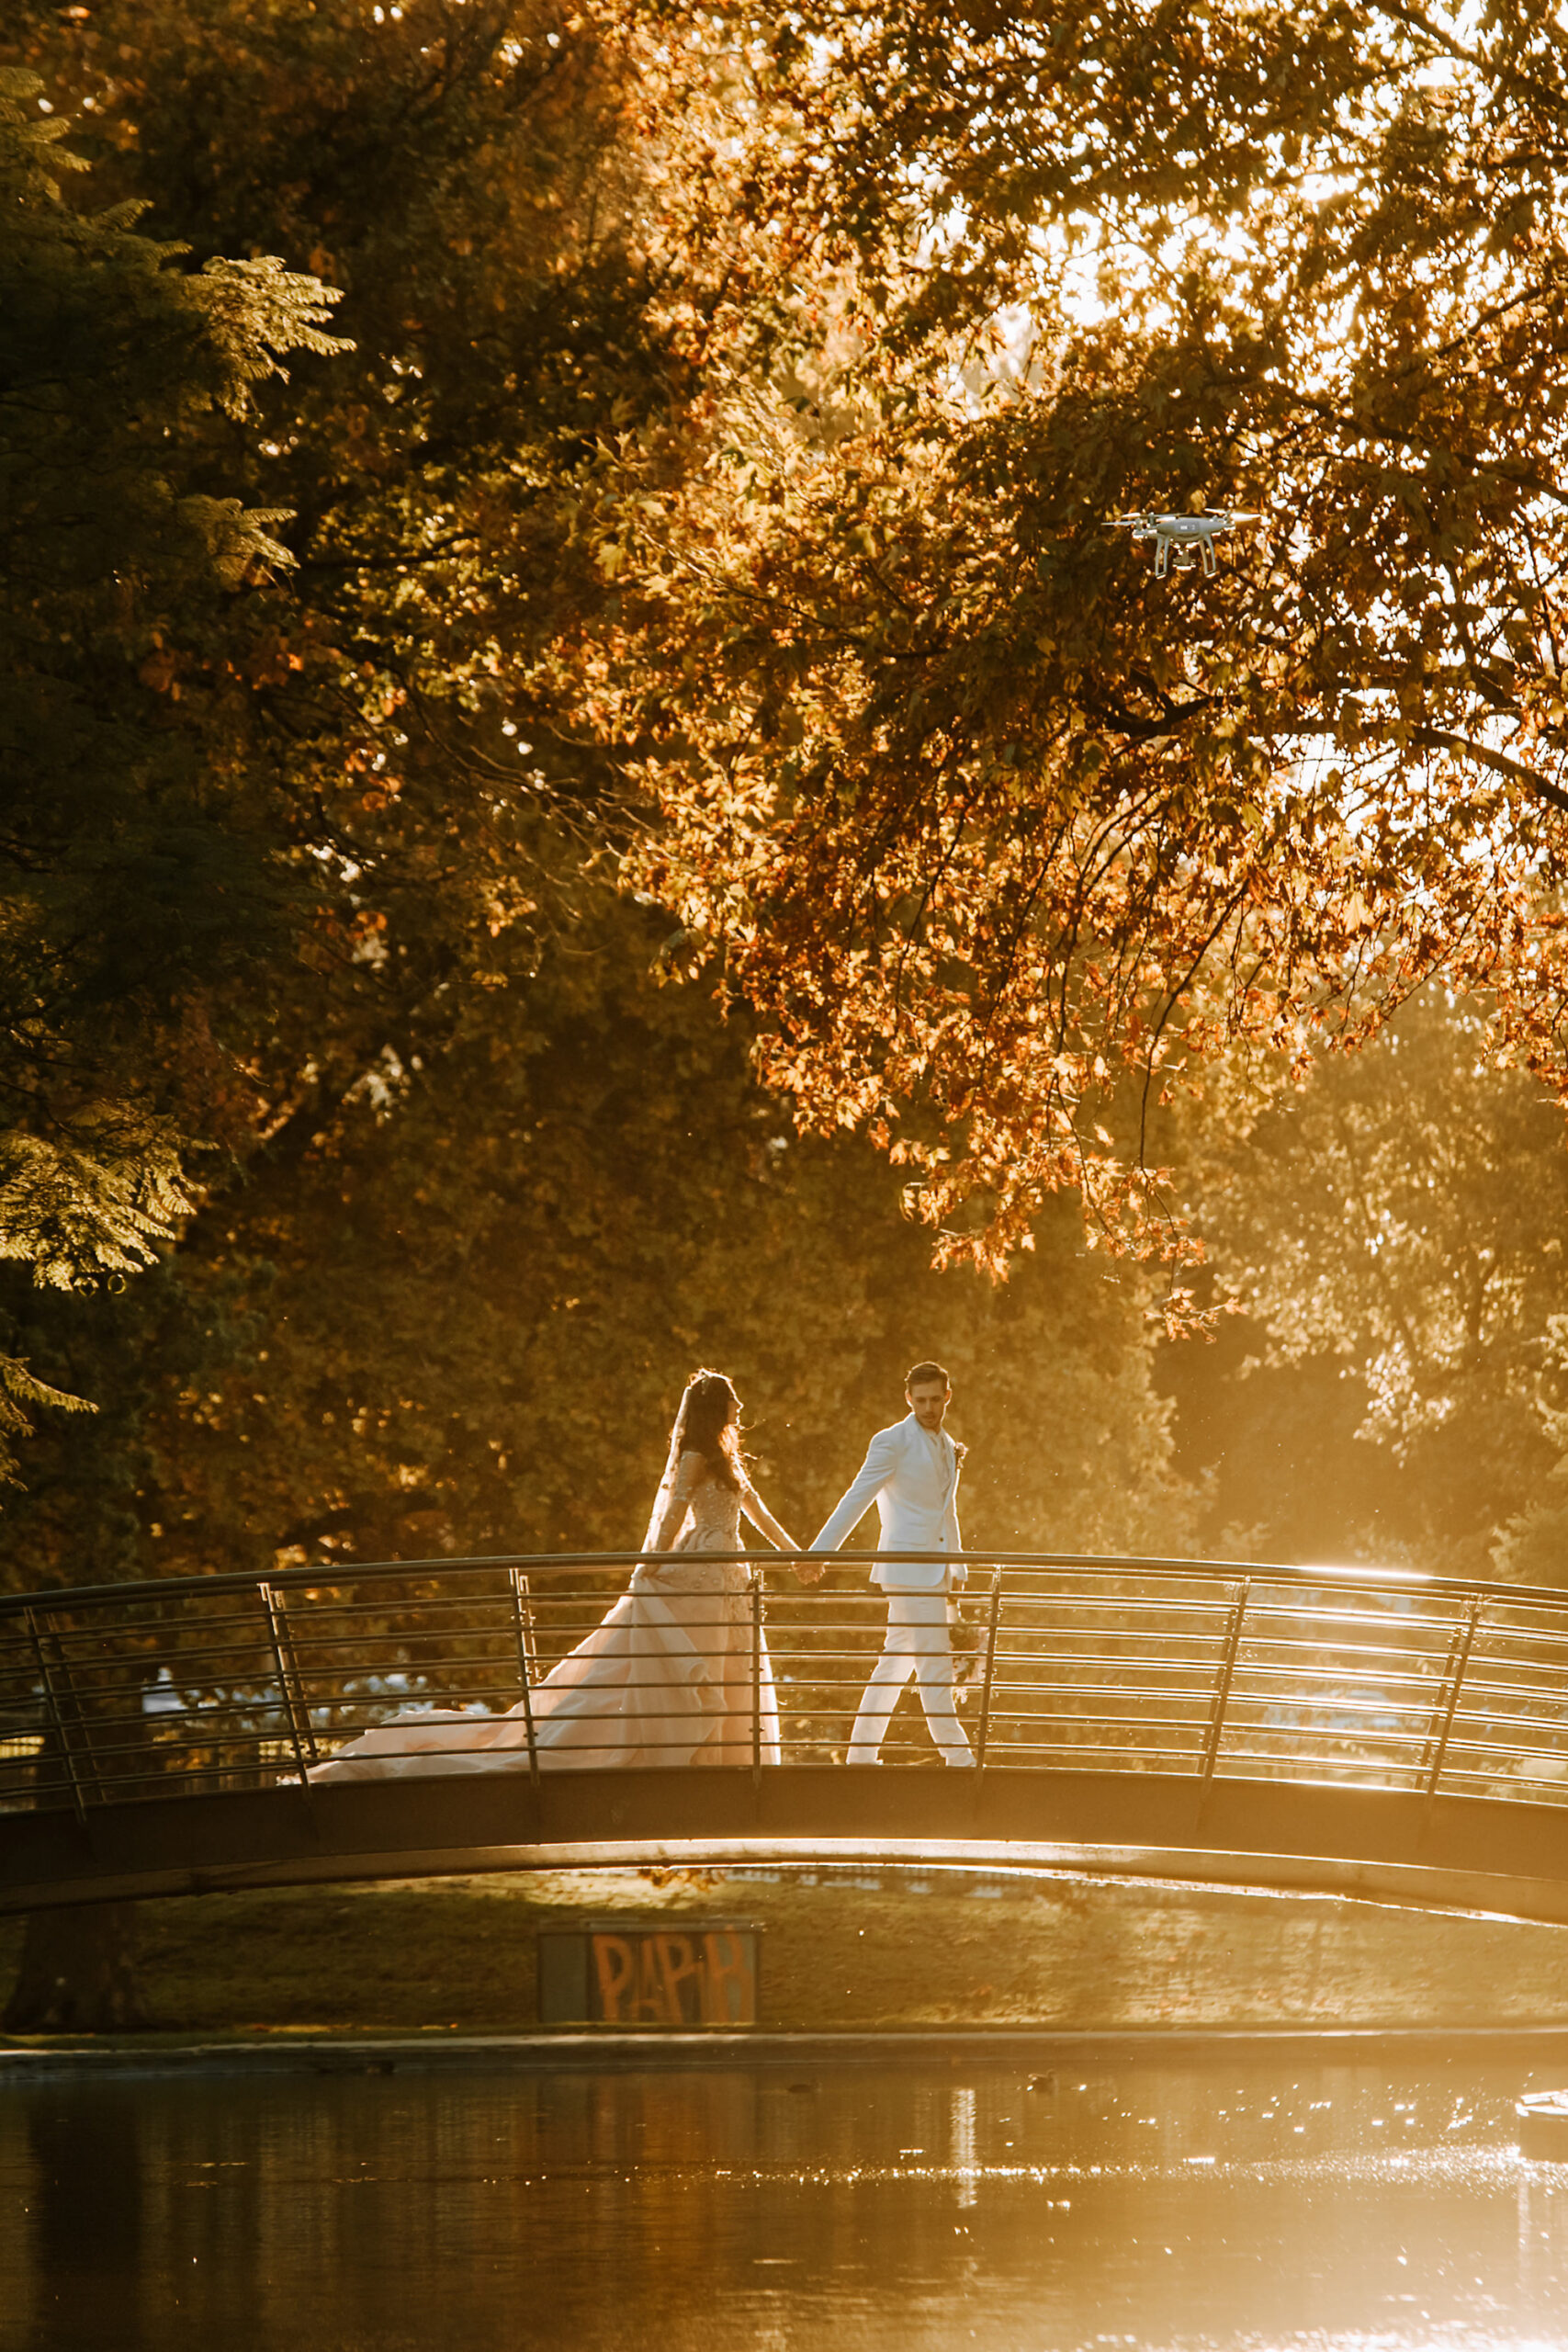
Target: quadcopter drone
1187,536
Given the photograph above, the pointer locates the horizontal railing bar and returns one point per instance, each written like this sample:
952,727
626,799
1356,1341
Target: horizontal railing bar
1511,1620
255,1667
1356,1728
80,1640
1317,1702
409,1650
1513,1707
1061,1604
1369,1771
1373,1690
1505,1726
1302,1709
1512,1748
1188,1650
1182,1755
307,1645
1506,1730
1262,1740
1512,1753
434,1606
1369,1658
1297,1675
1011,1723
1016,1660
1381,1751
98,1756
1339,1657
1537,1691
1334,1771
1361,1658
1387,1585
213,1667
1201,1702
152,1730
1348,1777
1493,1629
1317,1761
1312,1720
148,1728
1289,1611
117,1790
1332,1609
431,1691
1301,1679
1300,1673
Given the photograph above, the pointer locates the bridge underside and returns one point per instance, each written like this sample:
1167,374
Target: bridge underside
1450,1853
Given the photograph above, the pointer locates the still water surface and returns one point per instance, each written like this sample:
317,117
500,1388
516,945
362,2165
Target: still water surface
1223,2203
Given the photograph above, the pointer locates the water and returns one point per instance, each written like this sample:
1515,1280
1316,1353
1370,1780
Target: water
1223,2203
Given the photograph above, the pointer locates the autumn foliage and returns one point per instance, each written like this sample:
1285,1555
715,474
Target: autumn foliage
712,505
1004,839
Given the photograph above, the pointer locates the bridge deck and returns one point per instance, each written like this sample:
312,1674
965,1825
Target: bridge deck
1450,1852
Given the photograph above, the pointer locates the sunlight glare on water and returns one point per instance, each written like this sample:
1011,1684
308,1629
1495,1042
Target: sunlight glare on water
1248,2206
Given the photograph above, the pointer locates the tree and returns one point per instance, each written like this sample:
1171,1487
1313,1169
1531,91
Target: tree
1393,1233
1532,1545
141,867
1000,837
992,828
461,1333
453,1249
534,223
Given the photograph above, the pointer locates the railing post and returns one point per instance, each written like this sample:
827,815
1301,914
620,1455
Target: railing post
1227,1674
289,1681
297,1680
523,1598
527,1662
1453,1678
756,1678
983,1736
56,1716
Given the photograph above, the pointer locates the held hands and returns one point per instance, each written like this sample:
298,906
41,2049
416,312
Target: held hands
808,1572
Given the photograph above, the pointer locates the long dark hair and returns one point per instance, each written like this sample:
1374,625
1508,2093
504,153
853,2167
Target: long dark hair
709,1423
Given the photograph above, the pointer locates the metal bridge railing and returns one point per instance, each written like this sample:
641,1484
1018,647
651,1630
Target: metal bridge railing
1215,1670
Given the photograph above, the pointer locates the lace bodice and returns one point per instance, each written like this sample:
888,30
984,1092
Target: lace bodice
709,1521
713,1519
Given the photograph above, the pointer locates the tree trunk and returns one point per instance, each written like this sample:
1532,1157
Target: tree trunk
78,1973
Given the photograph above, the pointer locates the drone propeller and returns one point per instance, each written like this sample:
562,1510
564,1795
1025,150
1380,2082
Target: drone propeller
1210,514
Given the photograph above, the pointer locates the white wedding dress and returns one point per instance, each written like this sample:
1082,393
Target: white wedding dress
666,1677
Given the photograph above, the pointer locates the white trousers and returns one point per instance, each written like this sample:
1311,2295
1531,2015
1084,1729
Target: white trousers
916,1644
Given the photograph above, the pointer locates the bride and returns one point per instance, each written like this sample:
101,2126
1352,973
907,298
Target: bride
666,1677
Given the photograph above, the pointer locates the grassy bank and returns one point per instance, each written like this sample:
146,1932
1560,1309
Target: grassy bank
928,1948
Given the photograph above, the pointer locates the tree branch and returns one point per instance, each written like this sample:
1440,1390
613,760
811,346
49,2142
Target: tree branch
1442,740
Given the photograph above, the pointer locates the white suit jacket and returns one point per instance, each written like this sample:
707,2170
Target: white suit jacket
912,1478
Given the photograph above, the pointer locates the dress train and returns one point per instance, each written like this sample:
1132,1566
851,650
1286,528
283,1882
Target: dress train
665,1678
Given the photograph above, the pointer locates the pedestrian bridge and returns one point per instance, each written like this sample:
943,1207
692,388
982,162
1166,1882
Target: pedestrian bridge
1394,1737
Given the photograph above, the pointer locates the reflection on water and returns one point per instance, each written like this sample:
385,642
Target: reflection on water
1225,2203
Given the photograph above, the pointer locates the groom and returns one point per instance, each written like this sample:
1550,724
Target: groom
910,1472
